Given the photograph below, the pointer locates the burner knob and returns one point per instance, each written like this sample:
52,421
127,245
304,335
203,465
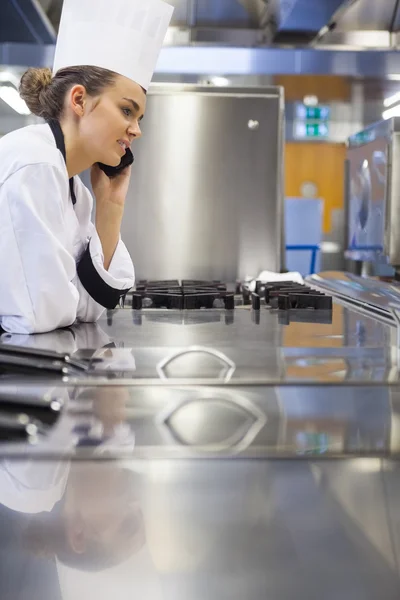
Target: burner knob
246,297
255,302
229,302
137,301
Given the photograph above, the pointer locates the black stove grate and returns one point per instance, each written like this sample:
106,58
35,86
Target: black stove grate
287,295
190,294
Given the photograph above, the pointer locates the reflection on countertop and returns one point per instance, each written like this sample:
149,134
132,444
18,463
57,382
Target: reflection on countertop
174,530
232,346
212,421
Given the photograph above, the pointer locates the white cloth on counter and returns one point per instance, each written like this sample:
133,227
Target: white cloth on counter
270,276
42,237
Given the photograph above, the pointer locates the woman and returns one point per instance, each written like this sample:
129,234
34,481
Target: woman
57,267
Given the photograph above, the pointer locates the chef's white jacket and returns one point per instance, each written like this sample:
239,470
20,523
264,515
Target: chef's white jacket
45,240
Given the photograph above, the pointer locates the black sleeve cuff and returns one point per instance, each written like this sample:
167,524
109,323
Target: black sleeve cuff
96,287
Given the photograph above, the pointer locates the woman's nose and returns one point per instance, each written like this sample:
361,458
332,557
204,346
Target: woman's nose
135,131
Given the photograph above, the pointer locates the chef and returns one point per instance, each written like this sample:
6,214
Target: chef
56,266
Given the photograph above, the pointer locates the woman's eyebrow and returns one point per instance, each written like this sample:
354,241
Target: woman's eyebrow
135,104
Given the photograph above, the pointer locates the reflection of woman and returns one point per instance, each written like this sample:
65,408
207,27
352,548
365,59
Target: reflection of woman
84,516
97,523
56,266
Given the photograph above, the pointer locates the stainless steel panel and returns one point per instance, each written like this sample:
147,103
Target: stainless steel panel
222,12
214,421
25,22
361,39
216,60
275,61
396,22
267,346
215,529
303,15
372,194
176,492
393,226
181,12
206,194
368,14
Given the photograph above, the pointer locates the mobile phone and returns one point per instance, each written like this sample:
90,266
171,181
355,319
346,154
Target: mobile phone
126,161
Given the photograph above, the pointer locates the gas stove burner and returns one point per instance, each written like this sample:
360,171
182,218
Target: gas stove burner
286,295
189,294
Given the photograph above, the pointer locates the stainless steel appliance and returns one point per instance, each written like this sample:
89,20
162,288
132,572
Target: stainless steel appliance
373,205
207,188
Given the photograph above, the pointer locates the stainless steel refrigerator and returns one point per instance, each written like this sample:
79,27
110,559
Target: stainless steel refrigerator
206,197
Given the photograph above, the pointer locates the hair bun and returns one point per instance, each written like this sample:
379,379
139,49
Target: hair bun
34,83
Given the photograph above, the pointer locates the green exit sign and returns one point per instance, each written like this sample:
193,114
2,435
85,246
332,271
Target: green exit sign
304,130
312,113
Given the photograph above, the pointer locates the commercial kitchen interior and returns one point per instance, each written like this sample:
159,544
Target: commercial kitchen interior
232,430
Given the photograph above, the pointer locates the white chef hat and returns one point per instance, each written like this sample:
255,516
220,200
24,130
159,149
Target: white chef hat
136,578
124,36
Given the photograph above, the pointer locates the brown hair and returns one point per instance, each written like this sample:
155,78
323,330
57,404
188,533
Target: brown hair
45,94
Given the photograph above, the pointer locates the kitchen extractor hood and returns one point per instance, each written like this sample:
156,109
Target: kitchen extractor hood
299,21
365,23
341,23
355,38
210,60
25,21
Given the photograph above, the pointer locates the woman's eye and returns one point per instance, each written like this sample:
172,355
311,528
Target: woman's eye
127,111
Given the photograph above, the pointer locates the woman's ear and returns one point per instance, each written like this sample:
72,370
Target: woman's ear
78,97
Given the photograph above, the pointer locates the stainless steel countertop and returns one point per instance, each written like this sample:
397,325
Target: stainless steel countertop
352,348
214,529
276,478
257,347
205,421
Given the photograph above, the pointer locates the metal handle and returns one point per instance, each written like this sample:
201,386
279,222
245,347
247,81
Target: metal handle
395,311
197,349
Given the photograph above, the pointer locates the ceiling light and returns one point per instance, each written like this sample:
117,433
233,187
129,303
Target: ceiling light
11,96
7,77
392,99
392,112
310,100
219,81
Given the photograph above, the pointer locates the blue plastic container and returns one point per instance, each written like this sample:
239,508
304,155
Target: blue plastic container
303,231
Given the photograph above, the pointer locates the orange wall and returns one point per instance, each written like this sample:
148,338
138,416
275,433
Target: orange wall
327,88
321,163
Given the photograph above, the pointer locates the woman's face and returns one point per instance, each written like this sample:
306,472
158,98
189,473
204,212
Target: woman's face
111,122
102,510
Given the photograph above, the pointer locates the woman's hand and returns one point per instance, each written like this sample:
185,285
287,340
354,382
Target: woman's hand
110,197
110,190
